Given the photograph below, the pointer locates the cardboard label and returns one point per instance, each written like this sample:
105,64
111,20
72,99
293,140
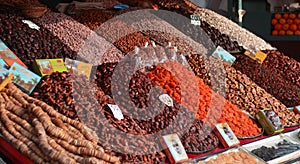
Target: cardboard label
267,124
226,135
78,67
8,56
174,148
223,55
48,66
116,111
166,99
259,56
24,78
195,20
31,24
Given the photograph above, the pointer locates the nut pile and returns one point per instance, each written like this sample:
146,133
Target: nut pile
122,35
285,66
68,30
90,46
184,6
44,135
223,111
245,38
241,90
275,84
199,138
30,44
92,19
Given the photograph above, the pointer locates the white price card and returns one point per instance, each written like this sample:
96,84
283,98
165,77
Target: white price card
195,20
116,111
166,99
31,24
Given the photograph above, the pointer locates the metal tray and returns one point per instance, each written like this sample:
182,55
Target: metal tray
272,141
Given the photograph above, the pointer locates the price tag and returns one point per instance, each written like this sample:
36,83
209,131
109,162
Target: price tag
31,24
195,20
223,55
116,111
260,56
166,99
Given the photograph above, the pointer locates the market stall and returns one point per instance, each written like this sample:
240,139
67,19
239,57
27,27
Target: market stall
142,82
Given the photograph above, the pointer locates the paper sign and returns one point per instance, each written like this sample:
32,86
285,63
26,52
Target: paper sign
31,24
78,67
166,99
223,55
259,56
116,111
174,148
195,20
48,66
24,78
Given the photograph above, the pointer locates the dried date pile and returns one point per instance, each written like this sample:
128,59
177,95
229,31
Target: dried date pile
199,138
57,91
277,85
44,135
285,66
30,44
240,89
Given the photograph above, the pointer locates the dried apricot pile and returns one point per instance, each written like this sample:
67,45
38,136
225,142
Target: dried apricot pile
212,108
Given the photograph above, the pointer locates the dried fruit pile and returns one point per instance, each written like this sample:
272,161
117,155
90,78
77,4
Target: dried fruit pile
44,135
240,123
233,157
274,83
30,44
199,138
239,89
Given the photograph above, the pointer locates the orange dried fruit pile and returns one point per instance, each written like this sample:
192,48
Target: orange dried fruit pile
212,108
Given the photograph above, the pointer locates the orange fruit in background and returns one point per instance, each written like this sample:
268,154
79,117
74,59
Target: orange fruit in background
292,16
278,27
290,21
281,32
298,15
277,16
286,16
274,21
274,32
299,26
285,26
293,27
282,21
297,32
297,21
289,32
